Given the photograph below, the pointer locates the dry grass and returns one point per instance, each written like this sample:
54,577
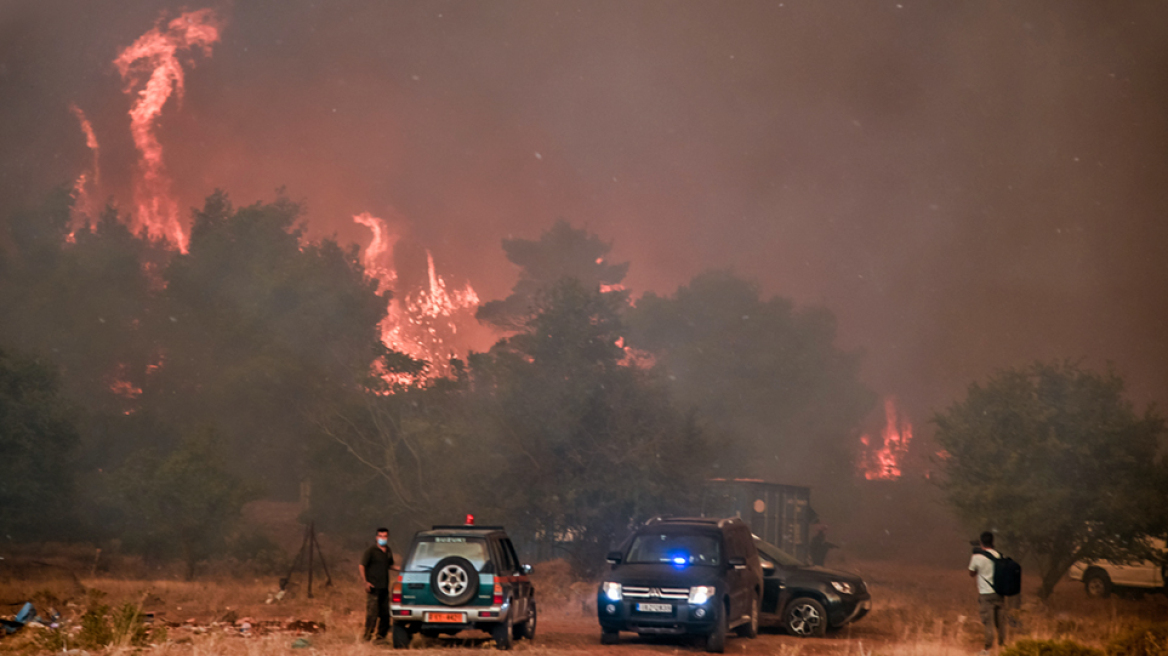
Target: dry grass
917,610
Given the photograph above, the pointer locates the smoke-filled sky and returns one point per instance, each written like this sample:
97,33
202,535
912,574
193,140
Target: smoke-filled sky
967,185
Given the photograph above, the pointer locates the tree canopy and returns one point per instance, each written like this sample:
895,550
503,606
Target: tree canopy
261,327
760,370
185,504
1053,458
38,440
586,446
560,252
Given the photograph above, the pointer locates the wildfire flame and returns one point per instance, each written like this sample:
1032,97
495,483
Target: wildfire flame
379,251
152,62
883,461
423,322
88,181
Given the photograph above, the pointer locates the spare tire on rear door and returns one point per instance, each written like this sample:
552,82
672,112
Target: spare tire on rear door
454,581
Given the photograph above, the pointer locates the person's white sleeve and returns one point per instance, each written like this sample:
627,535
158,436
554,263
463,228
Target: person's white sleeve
973,563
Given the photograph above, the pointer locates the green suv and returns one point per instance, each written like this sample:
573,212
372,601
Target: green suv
463,577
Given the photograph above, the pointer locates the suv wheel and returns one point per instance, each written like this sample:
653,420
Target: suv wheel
1097,584
454,581
805,618
502,633
716,641
526,629
401,637
609,637
750,629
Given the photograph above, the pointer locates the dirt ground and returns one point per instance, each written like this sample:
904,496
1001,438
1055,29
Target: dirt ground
917,610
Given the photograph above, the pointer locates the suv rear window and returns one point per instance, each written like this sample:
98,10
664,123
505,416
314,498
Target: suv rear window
428,551
676,548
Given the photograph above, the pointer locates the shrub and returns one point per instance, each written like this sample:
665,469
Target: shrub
1146,640
1050,648
122,627
95,627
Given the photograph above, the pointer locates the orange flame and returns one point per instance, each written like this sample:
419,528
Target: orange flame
423,322
84,208
884,461
378,256
154,58
120,385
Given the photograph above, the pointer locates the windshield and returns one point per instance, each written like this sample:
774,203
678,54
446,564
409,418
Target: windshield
428,551
676,548
775,555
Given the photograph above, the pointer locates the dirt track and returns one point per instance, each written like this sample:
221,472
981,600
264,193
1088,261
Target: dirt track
583,634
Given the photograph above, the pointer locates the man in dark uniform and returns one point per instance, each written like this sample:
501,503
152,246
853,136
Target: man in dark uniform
375,567
820,546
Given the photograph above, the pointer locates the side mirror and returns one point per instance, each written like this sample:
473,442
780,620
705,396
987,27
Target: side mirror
767,569
527,569
614,557
737,563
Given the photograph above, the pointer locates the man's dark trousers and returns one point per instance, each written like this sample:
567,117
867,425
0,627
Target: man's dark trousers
377,611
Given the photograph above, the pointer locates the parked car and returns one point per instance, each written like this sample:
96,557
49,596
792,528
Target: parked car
1101,577
463,577
807,600
679,576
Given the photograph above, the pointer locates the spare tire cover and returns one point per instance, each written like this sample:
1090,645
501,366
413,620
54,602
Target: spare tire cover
454,581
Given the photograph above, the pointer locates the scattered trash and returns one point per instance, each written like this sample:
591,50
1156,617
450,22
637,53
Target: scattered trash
229,623
301,643
304,626
274,597
25,617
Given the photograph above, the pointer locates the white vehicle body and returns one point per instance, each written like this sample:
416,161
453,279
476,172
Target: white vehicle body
1101,576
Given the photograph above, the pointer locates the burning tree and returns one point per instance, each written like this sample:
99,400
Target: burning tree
1056,460
883,459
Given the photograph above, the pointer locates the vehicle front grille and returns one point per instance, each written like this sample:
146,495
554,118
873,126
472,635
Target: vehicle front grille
639,592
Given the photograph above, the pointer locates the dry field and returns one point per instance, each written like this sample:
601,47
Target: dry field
918,610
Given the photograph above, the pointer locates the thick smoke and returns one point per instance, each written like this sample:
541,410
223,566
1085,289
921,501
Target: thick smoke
966,186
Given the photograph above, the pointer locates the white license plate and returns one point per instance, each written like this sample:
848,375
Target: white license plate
654,608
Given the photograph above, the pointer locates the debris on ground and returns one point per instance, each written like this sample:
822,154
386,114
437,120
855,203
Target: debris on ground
248,626
27,617
229,623
301,643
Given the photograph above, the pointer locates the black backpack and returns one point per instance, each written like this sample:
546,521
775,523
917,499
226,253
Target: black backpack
1007,574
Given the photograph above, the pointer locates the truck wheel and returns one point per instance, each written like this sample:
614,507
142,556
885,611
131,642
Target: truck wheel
716,641
454,581
805,618
401,637
609,637
1098,584
750,629
526,628
502,633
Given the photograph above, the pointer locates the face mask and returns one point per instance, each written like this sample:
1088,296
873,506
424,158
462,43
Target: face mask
381,542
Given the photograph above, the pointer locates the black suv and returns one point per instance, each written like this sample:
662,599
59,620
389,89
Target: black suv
678,576
805,600
463,577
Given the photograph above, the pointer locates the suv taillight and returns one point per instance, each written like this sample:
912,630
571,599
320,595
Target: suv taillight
396,595
497,598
